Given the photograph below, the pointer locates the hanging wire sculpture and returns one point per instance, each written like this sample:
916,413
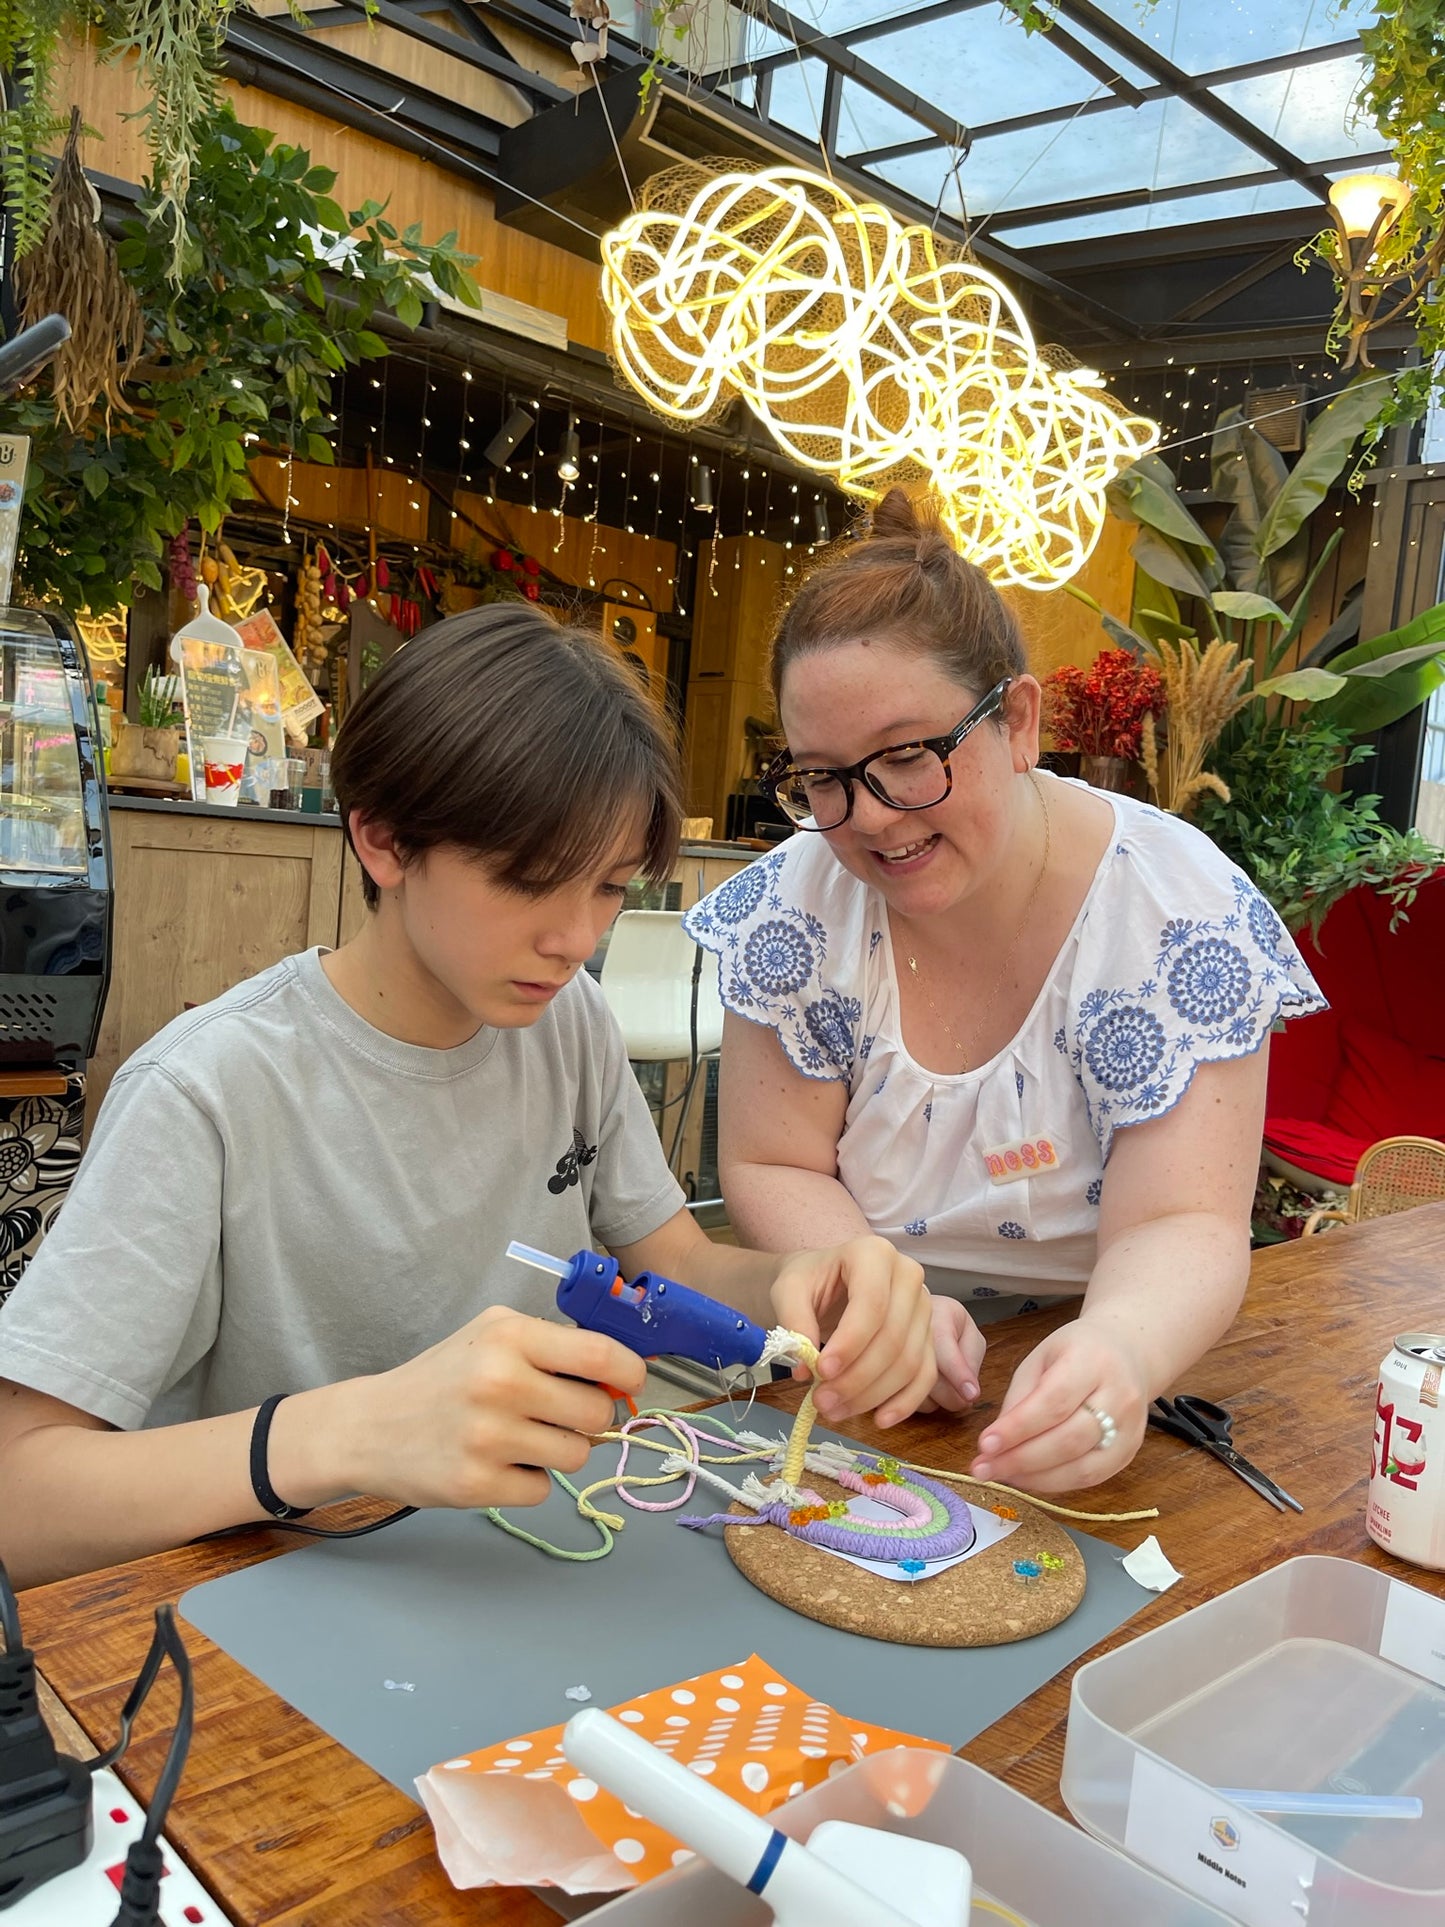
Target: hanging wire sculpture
873,351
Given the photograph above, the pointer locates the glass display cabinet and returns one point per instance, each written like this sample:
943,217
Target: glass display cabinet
55,867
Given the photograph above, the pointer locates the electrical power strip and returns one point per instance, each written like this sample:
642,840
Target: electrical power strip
89,1894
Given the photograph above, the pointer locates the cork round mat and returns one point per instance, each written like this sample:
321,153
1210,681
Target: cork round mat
980,1602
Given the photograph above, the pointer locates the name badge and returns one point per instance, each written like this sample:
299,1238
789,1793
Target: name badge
1023,1157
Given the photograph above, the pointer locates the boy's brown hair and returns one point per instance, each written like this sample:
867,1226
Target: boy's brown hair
502,733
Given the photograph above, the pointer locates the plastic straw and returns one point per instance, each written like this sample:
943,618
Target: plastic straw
1336,1806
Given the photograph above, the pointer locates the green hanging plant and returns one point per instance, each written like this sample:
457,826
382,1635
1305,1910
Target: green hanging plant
241,357
30,32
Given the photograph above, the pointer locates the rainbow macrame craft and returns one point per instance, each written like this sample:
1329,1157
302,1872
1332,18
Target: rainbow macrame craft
932,1523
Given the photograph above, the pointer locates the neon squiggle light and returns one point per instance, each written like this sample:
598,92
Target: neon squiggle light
872,352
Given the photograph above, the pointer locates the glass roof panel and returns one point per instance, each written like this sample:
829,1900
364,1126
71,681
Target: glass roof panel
1230,204
867,122
978,67
1161,144
1229,33
1307,109
797,97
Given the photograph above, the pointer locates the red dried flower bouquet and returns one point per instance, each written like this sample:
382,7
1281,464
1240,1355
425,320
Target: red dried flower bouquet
1100,711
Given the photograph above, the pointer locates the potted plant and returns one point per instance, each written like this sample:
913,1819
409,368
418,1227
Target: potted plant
1099,712
1220,620
148,748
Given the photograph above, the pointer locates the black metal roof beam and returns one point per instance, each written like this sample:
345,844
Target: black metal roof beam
501,66
1192,89
470,23
832,107
555,25
1249,277
1050,116
1291,340
283,59
835,55
1160,197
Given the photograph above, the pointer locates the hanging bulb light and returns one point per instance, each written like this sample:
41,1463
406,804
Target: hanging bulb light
702,489
821,531
569,462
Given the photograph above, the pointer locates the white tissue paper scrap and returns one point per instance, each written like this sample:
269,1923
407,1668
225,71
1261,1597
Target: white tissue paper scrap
1147,1566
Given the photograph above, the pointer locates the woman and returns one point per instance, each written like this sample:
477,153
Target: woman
1016,1025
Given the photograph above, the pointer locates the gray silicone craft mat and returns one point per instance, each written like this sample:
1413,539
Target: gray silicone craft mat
481,1634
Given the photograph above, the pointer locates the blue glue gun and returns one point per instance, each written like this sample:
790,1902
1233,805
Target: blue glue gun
651,1315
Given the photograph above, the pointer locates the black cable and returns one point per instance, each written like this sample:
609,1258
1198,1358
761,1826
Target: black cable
308,1532
140,1884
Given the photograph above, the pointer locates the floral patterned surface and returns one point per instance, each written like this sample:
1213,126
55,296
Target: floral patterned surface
39,1155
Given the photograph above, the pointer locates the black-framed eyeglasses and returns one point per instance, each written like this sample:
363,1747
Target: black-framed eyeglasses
905,776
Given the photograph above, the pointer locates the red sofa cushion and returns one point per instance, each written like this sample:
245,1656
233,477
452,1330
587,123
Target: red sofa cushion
1316,1148
1385,1088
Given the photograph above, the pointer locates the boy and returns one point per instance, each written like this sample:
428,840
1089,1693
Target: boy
266,1289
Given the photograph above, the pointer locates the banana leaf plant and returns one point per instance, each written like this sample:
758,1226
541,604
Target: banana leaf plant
1254,584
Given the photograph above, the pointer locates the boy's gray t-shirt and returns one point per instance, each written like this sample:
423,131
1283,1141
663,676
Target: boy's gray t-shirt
355,1193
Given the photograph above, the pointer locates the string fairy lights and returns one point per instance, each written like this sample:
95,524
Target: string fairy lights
873,352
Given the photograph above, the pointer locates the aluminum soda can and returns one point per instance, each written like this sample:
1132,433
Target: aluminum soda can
1406,1512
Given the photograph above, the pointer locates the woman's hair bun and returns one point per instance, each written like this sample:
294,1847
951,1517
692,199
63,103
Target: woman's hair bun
896,517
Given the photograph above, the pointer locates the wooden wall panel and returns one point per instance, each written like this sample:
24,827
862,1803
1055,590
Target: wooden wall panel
397,508
1058,628
584,553
517,265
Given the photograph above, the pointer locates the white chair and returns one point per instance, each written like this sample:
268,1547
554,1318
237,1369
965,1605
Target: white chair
663,990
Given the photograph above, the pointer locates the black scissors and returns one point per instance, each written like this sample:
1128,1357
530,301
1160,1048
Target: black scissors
1209,1426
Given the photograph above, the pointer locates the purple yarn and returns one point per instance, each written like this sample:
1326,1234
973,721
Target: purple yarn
843,1535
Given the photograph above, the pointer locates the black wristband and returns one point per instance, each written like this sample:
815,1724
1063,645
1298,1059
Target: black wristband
261,1485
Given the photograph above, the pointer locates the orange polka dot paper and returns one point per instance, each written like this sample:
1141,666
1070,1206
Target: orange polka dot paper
508,1814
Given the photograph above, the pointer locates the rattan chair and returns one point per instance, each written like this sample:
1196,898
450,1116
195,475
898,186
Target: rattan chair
1394,1175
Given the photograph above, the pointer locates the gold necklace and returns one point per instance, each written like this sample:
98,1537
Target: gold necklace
981,1025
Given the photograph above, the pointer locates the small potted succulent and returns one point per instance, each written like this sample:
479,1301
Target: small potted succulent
147,749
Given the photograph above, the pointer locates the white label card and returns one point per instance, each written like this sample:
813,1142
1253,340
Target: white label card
1235,1860
1413,1635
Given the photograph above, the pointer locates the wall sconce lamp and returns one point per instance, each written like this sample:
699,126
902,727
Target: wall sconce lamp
1365,208
569,462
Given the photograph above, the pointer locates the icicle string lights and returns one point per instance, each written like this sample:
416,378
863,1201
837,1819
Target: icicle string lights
872,352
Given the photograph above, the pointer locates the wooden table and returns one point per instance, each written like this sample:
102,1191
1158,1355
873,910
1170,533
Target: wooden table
283,1825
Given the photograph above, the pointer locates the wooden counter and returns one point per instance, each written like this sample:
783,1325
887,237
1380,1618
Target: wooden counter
206,897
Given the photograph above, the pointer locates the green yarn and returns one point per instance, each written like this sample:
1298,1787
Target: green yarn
544,1545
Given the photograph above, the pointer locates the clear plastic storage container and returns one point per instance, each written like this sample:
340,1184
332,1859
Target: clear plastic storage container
1036,1868
1320,1677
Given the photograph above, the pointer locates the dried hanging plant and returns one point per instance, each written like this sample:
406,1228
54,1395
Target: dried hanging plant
74,272
1203,690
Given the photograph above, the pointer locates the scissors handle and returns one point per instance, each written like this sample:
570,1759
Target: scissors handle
1209,1426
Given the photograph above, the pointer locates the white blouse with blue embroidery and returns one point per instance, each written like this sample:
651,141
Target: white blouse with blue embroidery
992,1177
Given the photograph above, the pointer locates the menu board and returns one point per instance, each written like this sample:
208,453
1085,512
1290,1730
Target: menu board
213,679
259,713
14,460
299,701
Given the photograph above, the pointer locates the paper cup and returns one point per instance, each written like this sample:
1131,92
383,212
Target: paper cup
225,762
